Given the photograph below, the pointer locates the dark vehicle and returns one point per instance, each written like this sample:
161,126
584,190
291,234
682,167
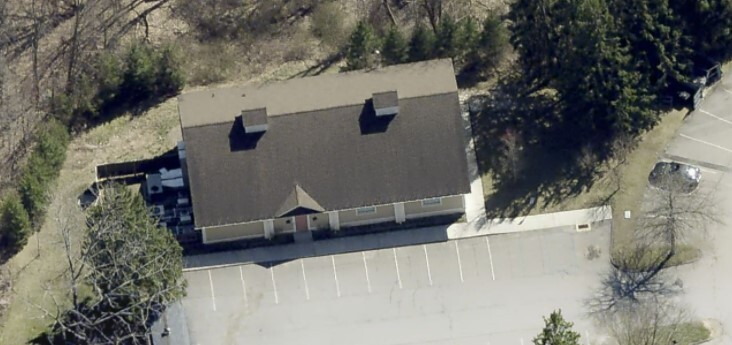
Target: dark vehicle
707,71
688,91
677,177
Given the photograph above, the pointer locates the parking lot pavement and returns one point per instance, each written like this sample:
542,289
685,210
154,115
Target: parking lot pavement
476,290
705,141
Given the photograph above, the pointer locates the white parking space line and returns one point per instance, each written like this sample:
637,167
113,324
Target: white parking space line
244,287
705,143
727,91
707,170
366,268
490,257
587,337
522,341
396,263
213,297
460,264
274,284
427,258
335,274
715,116
305,279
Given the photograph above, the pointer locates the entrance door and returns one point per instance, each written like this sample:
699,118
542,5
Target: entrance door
301,223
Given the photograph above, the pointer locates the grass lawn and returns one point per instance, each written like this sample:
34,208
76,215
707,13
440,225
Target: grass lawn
691,333
552,189
684,254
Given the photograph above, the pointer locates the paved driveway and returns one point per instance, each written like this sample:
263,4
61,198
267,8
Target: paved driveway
483,290
706,141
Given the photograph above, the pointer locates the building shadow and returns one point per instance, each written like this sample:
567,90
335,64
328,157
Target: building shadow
240,140
369,123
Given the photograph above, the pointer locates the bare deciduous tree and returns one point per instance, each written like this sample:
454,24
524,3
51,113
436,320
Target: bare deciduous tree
654,322
635,275
674,214
128,268
512,153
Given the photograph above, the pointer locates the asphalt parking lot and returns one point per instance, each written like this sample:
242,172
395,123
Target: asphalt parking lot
482,290
705,140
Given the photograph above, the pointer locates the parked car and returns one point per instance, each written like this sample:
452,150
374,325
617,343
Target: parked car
677,177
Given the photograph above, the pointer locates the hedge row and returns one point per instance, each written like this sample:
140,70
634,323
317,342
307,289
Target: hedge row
24,211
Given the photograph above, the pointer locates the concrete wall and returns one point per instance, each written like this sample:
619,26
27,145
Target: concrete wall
281,225
414,209
319,221
233,232
351,218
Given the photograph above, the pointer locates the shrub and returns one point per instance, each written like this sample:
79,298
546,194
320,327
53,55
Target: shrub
327,24
15,226
42,169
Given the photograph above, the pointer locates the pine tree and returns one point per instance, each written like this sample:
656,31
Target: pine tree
708,25
534,35
601,91
655,37
447,38
557,331
361,47
490,46
395,47
422,44
15,226
469,35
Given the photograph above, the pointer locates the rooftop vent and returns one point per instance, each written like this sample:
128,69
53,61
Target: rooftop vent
386,103
254,120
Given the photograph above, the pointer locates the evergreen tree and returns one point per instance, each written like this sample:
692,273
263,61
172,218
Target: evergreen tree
557,331
708,25
138,80
535,31
361,47
656,41
395,47
447,38
422,44
42,169
601,91
169,76
469,35
15,226
490,46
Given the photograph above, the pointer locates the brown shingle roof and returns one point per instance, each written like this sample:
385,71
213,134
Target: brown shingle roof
344,157
221,105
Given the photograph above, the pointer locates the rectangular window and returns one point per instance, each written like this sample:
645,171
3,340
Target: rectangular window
432,202
365,210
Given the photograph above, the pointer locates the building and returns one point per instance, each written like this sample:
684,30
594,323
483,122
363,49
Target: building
325,153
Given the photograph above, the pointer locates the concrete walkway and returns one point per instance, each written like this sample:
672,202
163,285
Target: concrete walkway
477,225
